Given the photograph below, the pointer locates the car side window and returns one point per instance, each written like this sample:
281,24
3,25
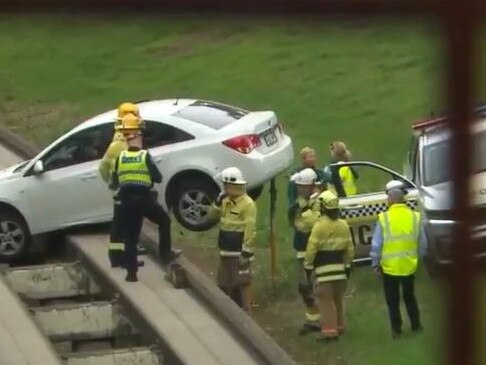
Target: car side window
158,134
87,145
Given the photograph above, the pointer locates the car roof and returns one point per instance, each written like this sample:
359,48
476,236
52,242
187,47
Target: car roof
151,110
440,133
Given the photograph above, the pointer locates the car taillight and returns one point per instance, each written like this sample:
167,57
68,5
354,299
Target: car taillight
280,127
244,144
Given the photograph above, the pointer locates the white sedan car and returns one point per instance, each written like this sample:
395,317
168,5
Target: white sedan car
191,141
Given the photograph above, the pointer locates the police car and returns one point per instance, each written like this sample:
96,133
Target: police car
191,141
427,166
427,178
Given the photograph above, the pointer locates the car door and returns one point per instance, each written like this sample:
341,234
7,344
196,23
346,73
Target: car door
361,210
69,191
159,138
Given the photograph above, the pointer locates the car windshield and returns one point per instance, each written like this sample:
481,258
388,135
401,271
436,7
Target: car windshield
21,166
436,164
213,115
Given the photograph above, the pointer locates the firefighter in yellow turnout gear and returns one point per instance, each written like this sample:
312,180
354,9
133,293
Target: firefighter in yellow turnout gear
237,232
132,122
329,251
302,214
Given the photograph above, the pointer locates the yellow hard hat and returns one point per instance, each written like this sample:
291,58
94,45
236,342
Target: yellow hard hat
129,123
329,200
128,108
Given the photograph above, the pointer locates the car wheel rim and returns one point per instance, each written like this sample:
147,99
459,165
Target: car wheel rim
194,207
12,238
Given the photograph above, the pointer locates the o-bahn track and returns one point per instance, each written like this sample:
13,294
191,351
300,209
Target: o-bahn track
91,316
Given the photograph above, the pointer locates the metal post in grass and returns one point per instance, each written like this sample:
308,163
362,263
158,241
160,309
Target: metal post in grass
272,240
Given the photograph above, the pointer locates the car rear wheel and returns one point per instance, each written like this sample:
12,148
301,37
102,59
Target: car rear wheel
192,204
14,237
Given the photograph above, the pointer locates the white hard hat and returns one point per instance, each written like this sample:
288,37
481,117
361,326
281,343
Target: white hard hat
395,185
232,175
305,177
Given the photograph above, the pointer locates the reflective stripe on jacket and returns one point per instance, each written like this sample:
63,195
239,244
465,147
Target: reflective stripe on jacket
237,230
133,169
400,226
330,249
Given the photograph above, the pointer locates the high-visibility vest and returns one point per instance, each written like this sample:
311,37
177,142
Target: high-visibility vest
400,227
348,180
133,169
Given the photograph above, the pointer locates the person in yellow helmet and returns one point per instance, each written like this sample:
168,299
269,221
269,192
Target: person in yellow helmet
237,232
329,251
128,119
135,175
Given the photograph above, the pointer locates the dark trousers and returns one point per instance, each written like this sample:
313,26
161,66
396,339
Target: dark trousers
134,208
115,250
391,286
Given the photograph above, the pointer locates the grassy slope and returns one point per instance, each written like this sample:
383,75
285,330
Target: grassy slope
358,82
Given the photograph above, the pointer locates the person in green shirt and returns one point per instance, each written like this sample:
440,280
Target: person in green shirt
309,160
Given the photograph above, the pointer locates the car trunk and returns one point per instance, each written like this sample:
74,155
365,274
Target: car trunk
261,128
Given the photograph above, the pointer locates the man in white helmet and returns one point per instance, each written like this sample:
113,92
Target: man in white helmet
398,240
302,214
237,232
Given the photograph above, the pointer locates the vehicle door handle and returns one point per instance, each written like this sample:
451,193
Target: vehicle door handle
158,159
353,207
88,177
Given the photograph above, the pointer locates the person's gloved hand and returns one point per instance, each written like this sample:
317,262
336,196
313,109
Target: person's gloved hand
244,261
219,199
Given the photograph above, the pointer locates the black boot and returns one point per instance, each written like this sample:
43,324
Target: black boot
131,277
309,328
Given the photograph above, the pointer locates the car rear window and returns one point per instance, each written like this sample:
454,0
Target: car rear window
210,114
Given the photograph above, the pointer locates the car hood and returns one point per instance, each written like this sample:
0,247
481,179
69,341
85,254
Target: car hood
439,197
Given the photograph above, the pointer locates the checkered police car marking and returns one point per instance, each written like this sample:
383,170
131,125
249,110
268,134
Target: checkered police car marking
371,210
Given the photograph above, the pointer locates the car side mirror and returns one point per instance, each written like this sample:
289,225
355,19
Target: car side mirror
38,167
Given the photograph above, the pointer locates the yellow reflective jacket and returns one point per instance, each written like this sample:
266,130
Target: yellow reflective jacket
107,164
237,230
401,228
330,249
348,180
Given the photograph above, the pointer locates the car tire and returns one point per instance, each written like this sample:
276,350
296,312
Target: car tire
192,202
256,192
15,237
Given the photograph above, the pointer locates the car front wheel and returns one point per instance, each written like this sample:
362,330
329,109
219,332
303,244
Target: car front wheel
192,204
14,237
